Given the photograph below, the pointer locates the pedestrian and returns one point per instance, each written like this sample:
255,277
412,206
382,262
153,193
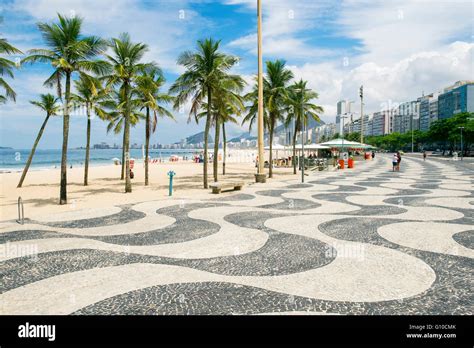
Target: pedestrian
394,162
373,154
399,159
424,155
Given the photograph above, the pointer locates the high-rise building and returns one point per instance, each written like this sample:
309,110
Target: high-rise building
341,110
406,117
382,122
369,127
433,111
426,104
456,99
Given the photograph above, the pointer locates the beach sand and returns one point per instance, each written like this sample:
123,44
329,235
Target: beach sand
40,191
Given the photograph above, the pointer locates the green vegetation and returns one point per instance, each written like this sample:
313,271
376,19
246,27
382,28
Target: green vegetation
148,89
299,110
49,104
89,94
275,96
6,68
206,69
68,52
443,134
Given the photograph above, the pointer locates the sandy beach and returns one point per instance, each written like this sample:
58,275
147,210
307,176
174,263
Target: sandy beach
40,191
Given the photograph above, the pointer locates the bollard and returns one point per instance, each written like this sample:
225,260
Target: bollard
21,212
171,174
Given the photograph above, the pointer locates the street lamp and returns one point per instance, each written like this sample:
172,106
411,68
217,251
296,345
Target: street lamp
302,90
361,94
343,117
260,176
462,152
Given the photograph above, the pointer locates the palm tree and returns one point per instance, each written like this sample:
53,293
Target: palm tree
299,109
90,94
68,52
226,102
49,104
115,110
6,68
125,60
205,68
275,93
148,89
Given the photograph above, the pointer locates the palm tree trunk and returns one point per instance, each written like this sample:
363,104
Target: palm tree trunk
147,143
63,184
270,166
216,149
206,135
88,145
128,182
224,145
294,152
32,153
122,175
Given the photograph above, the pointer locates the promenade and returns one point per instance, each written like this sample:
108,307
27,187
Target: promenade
356,241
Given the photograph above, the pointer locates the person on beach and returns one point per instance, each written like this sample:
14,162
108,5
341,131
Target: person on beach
394,162
399,159
424,155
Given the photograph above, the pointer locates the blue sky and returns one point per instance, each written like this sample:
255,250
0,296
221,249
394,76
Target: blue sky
397,49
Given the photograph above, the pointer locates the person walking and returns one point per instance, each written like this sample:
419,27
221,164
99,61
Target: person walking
394,162
424,155
373,154
399,159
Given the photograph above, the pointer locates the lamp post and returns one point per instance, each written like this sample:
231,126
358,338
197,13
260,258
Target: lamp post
462,152
361,93
302,134
343,117
412,137
260,176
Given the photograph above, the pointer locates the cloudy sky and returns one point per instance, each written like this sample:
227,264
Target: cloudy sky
396,49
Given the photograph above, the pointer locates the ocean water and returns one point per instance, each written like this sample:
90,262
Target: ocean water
15,159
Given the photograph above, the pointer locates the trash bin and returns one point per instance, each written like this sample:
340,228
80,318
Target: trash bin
341,163
350,163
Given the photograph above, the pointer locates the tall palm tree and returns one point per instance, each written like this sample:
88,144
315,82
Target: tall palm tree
226,102
226,96
49,104
6,68
300,109
275,92
148,89
68,52
115,107
125,60
89,94
205,68
227,117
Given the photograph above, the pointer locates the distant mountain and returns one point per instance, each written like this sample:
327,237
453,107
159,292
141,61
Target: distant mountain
243,136
198,138
5,148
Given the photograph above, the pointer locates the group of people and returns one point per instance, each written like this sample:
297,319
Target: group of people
396,159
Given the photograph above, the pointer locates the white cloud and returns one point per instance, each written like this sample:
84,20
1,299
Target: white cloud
390,31
165,29
282,24
398,82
